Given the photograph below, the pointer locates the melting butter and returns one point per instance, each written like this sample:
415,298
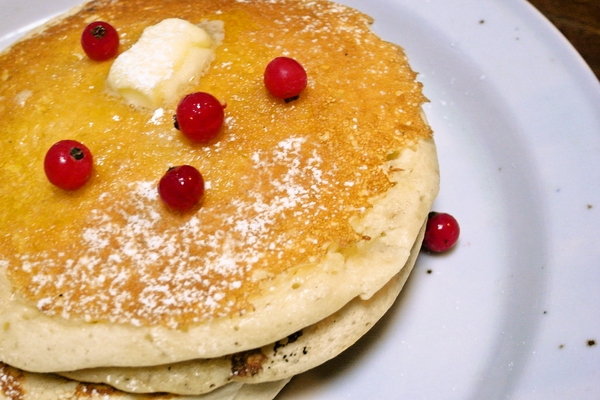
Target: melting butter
167,59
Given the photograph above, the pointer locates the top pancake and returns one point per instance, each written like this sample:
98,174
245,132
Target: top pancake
309,204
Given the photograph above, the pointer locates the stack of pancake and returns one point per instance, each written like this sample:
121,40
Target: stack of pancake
311,221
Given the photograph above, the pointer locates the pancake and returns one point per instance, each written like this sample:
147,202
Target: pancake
21,385
214,379
309,204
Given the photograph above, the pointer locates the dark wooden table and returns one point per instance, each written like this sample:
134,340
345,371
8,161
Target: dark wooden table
579,21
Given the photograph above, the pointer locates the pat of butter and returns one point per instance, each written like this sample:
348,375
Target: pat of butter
167,59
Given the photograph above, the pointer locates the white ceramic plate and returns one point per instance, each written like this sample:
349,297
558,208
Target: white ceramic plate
514,310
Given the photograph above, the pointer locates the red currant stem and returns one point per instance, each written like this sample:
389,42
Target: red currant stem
76,153
99,32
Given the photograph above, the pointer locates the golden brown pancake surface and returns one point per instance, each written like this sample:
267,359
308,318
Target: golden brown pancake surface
283,179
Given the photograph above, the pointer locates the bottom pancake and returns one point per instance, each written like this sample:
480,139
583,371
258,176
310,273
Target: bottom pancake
283,359
17,384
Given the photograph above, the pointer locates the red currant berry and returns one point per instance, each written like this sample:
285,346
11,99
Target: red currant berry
182,187
285,78
441,232
100,41
199,116
68,164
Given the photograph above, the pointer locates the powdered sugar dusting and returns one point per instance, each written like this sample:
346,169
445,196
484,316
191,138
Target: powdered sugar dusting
130,267
10,382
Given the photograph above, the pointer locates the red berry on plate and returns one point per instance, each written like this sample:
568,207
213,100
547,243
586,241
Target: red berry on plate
68,164
285,78
100,41
199,116
441,233
182,187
